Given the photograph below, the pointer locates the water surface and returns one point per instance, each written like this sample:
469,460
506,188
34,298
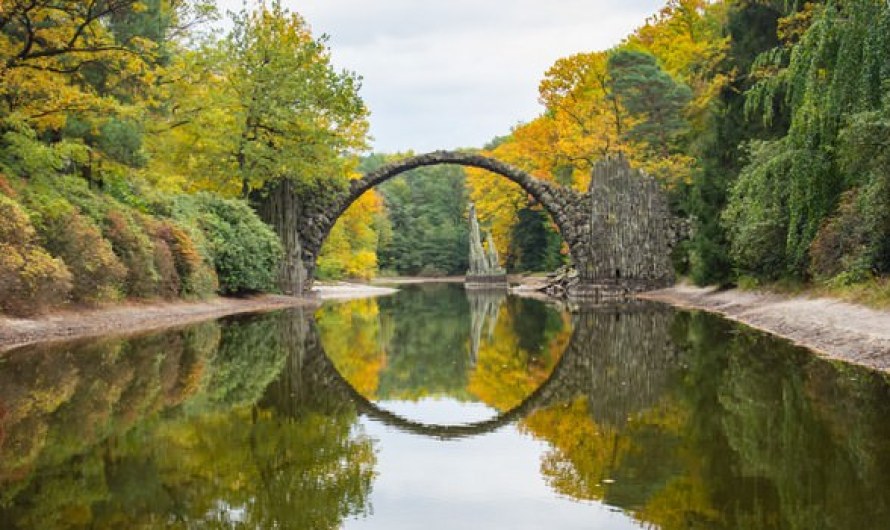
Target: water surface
437,408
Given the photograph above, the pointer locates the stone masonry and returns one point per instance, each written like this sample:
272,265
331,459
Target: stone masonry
617,232
631,234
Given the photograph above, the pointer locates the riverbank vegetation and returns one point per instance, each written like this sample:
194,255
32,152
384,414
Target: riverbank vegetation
131,137
143,155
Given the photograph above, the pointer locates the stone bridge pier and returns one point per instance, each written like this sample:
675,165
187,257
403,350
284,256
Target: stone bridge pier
619,232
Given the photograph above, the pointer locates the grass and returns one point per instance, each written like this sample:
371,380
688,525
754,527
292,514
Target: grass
874,292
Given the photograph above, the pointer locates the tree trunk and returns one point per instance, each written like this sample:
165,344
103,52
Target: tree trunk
279,206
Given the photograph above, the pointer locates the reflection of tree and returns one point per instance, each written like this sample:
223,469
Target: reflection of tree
61,400
615,403
415,344
106,458
427,353
407,346
815,431
741,431
354,339
519,354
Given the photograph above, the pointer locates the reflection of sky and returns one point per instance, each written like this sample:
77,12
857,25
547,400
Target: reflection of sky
440,411
488,482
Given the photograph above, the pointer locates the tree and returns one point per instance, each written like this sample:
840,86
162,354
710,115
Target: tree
426,211
652,97
263,113
830,69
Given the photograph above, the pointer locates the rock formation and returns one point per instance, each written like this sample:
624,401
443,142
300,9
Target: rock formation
485,269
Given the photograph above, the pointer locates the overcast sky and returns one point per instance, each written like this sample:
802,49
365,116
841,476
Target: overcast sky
457,73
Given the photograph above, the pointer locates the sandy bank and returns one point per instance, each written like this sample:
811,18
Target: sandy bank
349,291
833,328
135,317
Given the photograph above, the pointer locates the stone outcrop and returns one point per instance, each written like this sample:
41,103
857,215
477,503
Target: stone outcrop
485,268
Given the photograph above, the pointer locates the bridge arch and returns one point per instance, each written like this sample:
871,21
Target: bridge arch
551,390
565,205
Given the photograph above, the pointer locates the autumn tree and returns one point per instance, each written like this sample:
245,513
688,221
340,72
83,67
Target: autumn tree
262,112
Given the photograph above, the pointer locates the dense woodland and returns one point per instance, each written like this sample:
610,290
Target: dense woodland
136,146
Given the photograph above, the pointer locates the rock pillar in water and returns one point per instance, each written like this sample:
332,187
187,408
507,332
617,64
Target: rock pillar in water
485,270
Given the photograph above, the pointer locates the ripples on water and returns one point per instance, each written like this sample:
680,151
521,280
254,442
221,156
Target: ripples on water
436,408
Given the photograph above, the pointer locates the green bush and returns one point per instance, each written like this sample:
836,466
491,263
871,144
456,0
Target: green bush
30,279
245,251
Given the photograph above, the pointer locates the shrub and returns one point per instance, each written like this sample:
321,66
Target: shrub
185,271
840,242
6,188
246,252
98,273
134,248
169,283
30,279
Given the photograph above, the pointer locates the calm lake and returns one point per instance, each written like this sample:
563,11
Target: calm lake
438,408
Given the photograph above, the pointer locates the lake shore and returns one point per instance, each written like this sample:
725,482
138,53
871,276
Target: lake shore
132,317
830,327
139,317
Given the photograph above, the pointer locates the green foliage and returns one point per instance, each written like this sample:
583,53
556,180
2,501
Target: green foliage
752,28
98,274
534,244
651,96
135,250
756,217
245,252
428,230
837,71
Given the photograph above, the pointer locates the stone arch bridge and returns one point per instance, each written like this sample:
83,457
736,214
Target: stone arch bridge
619,232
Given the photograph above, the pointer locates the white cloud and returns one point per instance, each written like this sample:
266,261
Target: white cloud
457,73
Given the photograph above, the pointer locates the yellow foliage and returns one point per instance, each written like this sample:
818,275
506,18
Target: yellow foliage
671,507
30,279
45,71
583,454
687,37
351,248
350,333
502,377
583,122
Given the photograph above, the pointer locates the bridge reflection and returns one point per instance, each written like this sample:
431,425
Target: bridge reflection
620,358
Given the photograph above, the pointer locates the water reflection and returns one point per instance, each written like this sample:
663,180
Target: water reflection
625,416
173,430
437,341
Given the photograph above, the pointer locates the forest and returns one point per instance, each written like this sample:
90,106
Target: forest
139,149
